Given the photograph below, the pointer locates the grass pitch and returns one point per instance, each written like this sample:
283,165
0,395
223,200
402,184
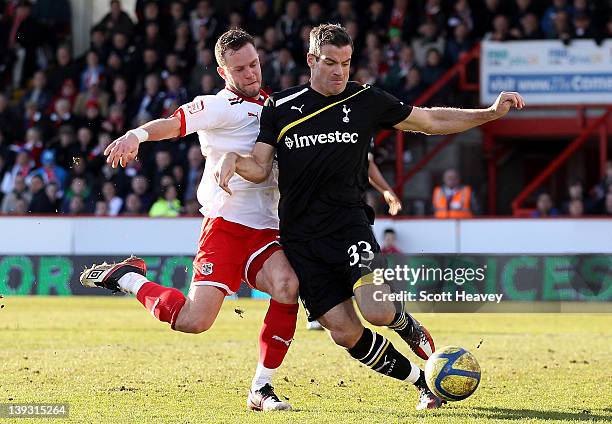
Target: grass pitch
112,362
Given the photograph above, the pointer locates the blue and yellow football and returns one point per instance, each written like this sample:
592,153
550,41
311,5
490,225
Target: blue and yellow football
452,373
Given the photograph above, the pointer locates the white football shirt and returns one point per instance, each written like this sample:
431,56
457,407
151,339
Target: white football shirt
229,122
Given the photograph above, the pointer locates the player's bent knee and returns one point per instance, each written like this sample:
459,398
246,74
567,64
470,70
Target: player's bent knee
285,288
194,327
344,338
378,317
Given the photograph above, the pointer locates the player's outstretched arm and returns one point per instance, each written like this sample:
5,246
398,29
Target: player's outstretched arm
254,167
379,183
449,120
125,148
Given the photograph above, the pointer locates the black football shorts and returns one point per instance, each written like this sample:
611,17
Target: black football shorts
329,267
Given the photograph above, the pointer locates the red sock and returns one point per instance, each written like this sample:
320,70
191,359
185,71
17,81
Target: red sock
164,303
280,321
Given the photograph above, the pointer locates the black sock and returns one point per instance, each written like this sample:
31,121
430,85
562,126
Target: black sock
378,353
401,324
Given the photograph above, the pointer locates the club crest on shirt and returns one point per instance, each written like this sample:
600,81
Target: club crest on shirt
207,268
195,107
346,112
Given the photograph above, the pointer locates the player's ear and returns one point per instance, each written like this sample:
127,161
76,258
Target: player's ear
310,59
221,72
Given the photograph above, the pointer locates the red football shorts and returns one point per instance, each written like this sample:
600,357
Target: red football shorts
230,253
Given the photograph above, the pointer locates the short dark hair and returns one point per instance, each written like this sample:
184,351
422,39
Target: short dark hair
389,231
334,34
234,39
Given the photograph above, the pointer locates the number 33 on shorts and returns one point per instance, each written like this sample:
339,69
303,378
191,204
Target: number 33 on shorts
361,250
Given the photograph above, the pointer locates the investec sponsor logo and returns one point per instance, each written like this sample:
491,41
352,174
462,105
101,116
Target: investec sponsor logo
297,141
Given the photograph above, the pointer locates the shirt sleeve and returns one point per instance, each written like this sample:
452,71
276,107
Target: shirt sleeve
268,130
202,113
391,111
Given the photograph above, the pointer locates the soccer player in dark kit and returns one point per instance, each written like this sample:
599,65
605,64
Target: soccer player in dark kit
320,133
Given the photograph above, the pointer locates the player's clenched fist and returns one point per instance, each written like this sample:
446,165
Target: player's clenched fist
505,101
225,170
395,205
122,150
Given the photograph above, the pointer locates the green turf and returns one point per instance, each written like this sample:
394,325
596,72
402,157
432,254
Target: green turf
112,362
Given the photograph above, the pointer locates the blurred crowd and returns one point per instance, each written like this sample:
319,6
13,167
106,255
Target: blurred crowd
58,112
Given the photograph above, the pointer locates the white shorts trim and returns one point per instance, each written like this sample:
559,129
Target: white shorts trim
213,284
252,258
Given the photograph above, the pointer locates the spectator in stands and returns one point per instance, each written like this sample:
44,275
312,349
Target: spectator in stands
389,244
195,167
529,28
25,35
168,205
608,204
39,203
64,146
192,208
9,126
205,16
582,26
85,139
55,196
101,208
461,42
133,206
575,191
376,20
34,142
62,114
433,69
576,208
453,200
429,38
177,15
183,46
259,18
412,88
603,188
76,206
96,159
49,171
78,188
22,168
398,71
175,94
39,93
461,15
140,187
93,72
152,102
20,192
500,30
116,21
561,26
551,15
289,24
94,93
113,202
544,207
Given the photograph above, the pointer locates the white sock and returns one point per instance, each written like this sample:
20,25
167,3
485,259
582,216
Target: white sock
132,282
415,373
262,376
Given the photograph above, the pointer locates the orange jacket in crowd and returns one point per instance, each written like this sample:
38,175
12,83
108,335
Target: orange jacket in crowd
459,205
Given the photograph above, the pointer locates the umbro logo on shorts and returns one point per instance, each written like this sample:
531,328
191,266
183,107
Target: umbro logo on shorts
333,137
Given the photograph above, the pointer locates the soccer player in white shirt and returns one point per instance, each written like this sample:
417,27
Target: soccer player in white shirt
239,237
